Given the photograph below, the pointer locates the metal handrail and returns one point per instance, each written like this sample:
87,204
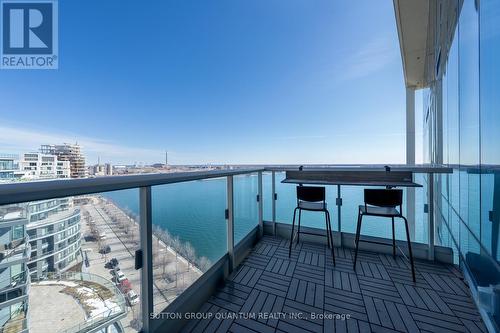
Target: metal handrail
11,193
415,168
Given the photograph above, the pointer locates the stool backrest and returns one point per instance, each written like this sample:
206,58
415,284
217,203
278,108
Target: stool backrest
310,193
383,197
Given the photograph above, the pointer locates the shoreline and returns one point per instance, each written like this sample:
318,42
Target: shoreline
155,238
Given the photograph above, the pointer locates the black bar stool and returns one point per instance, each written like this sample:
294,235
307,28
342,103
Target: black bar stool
312,198
383,203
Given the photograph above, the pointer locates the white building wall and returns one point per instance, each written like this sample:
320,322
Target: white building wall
43,166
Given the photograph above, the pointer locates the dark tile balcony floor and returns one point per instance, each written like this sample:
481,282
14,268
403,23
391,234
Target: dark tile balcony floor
270,292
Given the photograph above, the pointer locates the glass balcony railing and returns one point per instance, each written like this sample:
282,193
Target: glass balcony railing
414,208
15,325
16,281
246,204
189,235
12,294
20,251
150,242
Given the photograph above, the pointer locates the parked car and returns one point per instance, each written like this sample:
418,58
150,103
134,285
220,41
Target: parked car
105,249
90,238
125,286
102,236
112,264
120,276
132,298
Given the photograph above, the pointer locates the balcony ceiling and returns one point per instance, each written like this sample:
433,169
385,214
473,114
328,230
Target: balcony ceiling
414,27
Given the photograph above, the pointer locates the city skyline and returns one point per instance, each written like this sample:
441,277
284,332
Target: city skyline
205,68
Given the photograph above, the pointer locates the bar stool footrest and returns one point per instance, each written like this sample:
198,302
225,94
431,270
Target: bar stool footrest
384,243
312,233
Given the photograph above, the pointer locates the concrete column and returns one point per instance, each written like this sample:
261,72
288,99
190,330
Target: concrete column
438,153
410,126
410,156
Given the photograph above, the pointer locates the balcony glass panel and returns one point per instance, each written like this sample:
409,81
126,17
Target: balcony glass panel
469,115
246,209
352,197
490,149
74,273
109,230
421,231
287,201
190,234
490,123
267,192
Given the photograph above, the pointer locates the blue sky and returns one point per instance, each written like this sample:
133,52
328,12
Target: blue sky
225,81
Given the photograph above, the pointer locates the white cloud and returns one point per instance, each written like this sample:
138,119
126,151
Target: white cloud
300,137
20,140
370,58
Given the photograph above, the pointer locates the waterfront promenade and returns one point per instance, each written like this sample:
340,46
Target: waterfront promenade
172,273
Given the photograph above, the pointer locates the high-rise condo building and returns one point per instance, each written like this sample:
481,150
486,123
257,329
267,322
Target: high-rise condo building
54,235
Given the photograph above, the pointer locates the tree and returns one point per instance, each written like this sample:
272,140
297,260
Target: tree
204,264
165,262
176,243
190,253
170,274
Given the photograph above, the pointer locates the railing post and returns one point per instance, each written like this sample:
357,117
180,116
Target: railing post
430,192
230,222
273,206
410,208
261,206
146,233
339,214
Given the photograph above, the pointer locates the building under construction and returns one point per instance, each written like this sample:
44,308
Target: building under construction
68,152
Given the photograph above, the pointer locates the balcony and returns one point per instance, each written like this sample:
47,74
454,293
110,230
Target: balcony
252,284
270,292
14,294
53,219
17,324
15,253
13,216
20,282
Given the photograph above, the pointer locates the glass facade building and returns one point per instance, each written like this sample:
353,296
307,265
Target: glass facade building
7,166
54,235
461,129
14,277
